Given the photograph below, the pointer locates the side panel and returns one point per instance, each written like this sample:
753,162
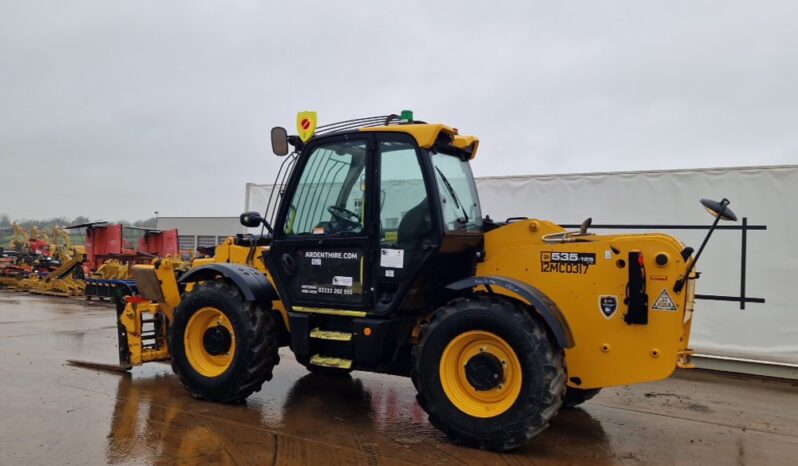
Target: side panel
588,282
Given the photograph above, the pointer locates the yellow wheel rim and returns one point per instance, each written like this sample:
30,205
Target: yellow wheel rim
207,364
480,403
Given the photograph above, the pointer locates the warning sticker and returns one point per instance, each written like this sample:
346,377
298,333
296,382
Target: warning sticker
664,302
393,258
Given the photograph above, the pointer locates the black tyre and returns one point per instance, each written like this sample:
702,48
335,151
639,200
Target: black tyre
487,373
223,348
576,396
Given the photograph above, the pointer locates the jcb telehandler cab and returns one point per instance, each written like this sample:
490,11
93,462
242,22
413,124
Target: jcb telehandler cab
378,259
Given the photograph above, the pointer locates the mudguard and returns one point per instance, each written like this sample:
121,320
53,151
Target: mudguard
545,307
250,281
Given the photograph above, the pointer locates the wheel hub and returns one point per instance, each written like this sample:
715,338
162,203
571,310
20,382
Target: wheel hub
217,340
484,372
480,373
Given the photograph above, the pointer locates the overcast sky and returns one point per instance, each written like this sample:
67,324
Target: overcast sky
115,109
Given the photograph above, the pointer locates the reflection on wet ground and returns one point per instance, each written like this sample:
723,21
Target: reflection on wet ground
55,413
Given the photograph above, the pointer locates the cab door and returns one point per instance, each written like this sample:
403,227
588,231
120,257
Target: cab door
321,253
408,227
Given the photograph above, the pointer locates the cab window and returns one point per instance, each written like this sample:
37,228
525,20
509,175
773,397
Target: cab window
404,207
458,193
330,196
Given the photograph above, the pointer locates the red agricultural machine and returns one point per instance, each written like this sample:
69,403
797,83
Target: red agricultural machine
128,245
111,249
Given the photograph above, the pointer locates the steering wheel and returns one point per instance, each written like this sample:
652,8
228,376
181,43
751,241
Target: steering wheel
345,216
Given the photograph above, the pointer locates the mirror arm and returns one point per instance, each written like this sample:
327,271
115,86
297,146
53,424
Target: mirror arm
296,142
677,287
267,227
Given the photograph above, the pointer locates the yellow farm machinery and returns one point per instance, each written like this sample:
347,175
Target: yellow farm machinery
48,263
43,263
374,256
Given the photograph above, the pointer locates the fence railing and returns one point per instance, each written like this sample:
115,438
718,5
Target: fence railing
743,228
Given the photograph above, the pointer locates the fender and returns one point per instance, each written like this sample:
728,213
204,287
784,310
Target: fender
545,307
250,281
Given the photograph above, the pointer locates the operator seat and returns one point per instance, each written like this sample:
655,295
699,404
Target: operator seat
414,225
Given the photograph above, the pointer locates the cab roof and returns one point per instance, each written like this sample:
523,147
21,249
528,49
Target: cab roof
425,134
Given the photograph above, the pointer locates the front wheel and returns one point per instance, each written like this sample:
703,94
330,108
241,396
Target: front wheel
487,373
223,348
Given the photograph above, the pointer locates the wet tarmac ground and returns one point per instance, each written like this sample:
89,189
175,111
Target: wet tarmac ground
54,413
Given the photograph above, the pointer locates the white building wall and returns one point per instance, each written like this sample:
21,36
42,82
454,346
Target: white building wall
196,232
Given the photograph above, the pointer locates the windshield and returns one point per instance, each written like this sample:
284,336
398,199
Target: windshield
459,200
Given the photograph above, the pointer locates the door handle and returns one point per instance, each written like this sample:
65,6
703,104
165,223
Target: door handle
289,266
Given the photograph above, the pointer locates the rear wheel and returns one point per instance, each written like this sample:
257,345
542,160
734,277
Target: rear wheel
487,373
223,348
576,396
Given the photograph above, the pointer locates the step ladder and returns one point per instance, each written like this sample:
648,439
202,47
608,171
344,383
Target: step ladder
329,336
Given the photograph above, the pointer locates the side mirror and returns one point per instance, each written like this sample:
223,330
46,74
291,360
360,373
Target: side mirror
251,219
279,141
719,209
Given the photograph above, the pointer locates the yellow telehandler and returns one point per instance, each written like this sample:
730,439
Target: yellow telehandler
374,256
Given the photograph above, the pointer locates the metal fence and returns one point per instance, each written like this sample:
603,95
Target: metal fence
743,228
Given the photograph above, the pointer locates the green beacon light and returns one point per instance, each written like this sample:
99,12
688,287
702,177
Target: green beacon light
406,116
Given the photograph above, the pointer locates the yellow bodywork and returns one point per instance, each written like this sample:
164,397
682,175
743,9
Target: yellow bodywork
132,319
426,135
607,350
157,282
230,252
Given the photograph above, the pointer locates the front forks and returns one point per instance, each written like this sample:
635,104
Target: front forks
142,332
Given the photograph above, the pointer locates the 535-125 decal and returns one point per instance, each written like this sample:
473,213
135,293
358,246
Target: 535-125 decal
566,262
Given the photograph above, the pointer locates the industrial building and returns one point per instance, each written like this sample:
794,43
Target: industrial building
198,232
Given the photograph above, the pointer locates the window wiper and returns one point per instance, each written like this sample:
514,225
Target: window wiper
464,219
